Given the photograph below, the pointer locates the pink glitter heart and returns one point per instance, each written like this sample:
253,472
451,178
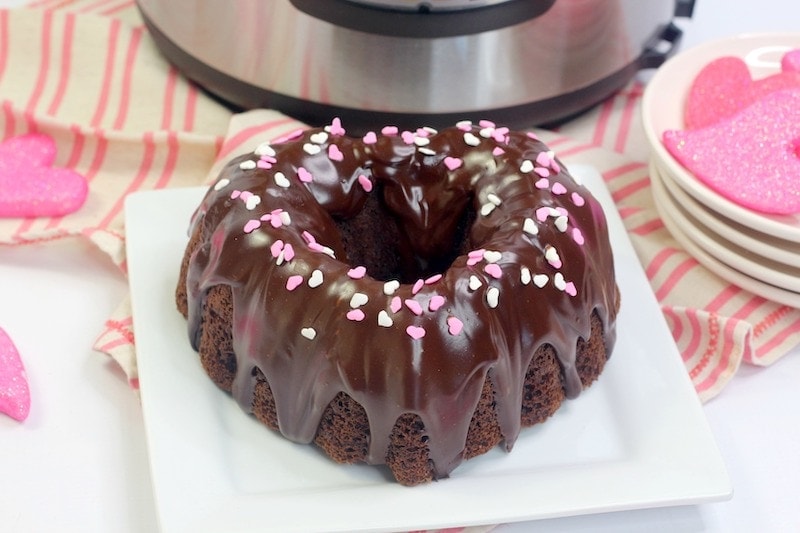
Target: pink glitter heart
30,186
725,86
751,158
15,397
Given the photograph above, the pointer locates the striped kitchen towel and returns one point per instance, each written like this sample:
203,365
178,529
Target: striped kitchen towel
86,73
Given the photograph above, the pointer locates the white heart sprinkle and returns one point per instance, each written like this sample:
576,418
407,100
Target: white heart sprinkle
308,333
486,132
559,281
252,202
464,124
265,149
358,299
493,297
421,141
526,166
221,184
281,180
384,320
471,139
551,254
540,280
316,279
474,283
311,149
390,286
487,208
525,275
285,218
561,223
319,137
248,164
427,151
493,198
492,256
530,227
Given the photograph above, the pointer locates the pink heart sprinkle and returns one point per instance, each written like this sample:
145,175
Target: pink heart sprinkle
357,272
415,332
417,286
29,183
542,213
544,159
336,127
356,315
389,130
396,304
475,256
570,289
15,396
543,172
433,279
370,138
452,163
494,270
293,282
252,225
288,252
263,164
454,325
559,188
436,302
577,199
365,183
542,183
235,194
334,153
407,137
496,152
414,306
276,248
308,237
577,236
304,175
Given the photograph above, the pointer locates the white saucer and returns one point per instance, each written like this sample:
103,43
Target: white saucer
706,249
768,246
663,109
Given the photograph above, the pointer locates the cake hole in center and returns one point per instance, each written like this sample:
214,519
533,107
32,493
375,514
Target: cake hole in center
375,239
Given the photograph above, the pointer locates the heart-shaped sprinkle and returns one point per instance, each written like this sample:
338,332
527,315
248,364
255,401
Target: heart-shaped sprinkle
30,186
454,325
559,281
370,138
384,320
530,227
570,289
544,158
356,315
453,163
494,270
415,332
309,333
494,199
577,236
413,306
221,184
551,254
390,131
493,297
487,208
559,188
396,304
334,153
390,287
541,171
15,396
433,279
421,141
265,149
281,180
247,164
357,272
542,183
318,138
316,279
524,275
304,175
288,252
336,127
464,125
417,286
474,282
577,199
276,248
497,151
365,183
293,282
540,280
263,164
252,225
311,149
475,256
358,299
471,139
561,223
252,201
435,303
526,166
407,137
543,212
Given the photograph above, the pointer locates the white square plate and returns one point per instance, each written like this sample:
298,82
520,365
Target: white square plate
637,438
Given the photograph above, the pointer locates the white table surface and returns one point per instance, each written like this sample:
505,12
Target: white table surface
79,462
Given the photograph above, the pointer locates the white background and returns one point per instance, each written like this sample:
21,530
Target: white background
79,463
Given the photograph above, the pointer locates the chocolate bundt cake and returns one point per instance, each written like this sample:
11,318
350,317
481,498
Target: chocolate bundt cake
406,298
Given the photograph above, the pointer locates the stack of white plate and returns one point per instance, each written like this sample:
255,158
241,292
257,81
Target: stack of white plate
756,251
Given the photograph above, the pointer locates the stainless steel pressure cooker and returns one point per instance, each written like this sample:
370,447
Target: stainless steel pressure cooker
412,62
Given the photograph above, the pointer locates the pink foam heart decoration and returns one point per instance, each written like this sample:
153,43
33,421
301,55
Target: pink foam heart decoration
725,86
30,186
751,158
15,397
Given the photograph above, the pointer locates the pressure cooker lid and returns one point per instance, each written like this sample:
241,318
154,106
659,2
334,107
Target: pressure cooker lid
424,19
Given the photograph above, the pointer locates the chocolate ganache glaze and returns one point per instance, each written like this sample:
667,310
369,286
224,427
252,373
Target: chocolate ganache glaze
401,269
